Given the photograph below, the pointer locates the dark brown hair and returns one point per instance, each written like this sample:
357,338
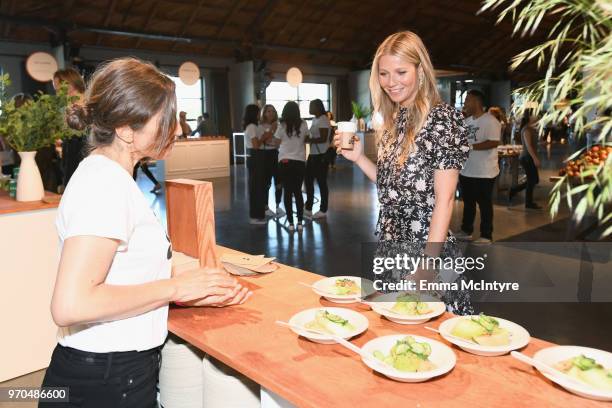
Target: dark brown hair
72,77
126,92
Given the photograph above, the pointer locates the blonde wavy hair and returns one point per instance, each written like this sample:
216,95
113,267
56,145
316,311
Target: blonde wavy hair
409,48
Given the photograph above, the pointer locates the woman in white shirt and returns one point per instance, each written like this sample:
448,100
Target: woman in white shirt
267,127
255,164
292,133
316,166
114,279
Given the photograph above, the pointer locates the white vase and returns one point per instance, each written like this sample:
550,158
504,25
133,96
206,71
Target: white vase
29,183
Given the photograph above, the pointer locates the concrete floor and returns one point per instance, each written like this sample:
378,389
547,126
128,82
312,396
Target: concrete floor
333,246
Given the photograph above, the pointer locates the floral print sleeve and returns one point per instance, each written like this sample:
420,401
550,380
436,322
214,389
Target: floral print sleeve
450,150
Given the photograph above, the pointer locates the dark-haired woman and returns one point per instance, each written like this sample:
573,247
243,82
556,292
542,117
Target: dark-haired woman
528,159
292,133
114,279
255,165
316,167
266,129
73,149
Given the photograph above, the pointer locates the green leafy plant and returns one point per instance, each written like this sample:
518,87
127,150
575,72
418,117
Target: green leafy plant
36,123
360,111
577,84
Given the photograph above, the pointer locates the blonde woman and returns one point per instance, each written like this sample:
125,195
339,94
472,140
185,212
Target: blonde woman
422,145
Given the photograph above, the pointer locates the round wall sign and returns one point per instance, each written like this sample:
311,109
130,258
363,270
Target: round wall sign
189,73
41,66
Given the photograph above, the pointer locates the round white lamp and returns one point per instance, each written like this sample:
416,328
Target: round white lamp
294,76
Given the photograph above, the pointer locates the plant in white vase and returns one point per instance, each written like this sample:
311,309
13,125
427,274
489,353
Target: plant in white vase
30,126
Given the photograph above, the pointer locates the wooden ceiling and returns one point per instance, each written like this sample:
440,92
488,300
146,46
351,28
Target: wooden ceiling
339,32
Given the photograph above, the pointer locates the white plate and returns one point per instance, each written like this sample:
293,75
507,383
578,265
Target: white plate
359,321
556,354
324,287
384,309
519,338
441,355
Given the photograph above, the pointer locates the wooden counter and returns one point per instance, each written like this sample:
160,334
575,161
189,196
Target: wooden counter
10,205
198,158
315,375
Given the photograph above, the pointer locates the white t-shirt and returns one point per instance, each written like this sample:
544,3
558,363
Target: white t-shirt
292,148
322,122
249,133
103,200
482,163
261,129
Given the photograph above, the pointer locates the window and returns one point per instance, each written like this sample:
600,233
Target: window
191,99
279,93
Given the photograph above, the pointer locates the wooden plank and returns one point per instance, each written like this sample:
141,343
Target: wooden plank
191,219
315,375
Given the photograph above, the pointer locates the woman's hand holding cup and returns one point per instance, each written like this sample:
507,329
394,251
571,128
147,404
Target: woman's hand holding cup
346,141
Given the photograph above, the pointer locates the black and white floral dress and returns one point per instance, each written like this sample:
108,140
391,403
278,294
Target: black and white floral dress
406,192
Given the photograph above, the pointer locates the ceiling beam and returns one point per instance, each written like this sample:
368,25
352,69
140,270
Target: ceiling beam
235,7
7,24
253,33
108,18
71,27
192,17
152,12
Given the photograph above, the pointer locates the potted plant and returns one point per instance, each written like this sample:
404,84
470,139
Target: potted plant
360,113
30,126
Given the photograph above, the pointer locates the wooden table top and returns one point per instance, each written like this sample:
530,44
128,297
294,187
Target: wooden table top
316,375
9,205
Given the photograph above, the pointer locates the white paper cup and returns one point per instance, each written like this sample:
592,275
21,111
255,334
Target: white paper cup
347,132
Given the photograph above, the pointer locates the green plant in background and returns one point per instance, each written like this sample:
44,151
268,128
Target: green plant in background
577,58
360,111
36,123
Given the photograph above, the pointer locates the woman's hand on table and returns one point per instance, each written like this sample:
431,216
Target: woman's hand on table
209,287
352,155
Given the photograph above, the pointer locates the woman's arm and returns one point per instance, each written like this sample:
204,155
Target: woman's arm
445,185
323,134
528,133
81,295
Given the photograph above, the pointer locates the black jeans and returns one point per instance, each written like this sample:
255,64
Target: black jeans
316,169
256,167
292,177
533,178
477,191
271,165
121,379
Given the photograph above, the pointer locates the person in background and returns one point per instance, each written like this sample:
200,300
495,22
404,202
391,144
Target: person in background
528,159
255,164
500,114
331,150
185,128
266,129
73,148
206,126
145,169
292,133
316,166
482,167
114,280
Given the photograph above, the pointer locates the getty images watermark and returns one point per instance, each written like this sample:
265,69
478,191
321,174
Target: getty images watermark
405,265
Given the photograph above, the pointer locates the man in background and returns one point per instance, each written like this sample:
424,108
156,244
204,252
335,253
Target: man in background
478,175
